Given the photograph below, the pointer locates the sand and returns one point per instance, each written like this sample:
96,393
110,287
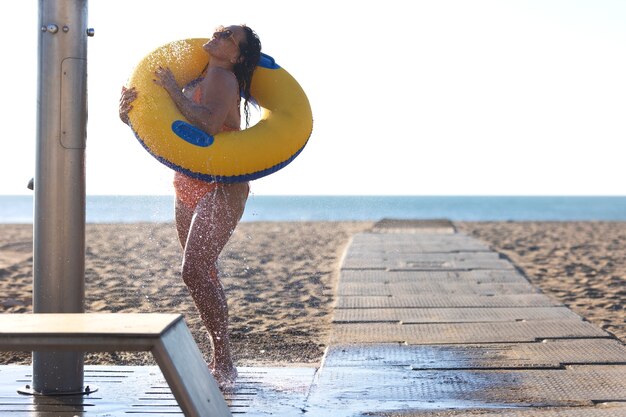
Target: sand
280,278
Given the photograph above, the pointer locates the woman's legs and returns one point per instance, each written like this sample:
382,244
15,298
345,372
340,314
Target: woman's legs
184,215
209,229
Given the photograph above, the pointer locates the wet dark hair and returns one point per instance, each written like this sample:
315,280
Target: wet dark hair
250,54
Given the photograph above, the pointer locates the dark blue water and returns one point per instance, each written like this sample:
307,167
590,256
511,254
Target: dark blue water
119,209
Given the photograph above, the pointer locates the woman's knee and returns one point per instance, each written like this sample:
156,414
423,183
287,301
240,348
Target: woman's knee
197,268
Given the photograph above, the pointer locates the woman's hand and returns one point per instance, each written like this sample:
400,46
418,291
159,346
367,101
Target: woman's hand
128,96
165,78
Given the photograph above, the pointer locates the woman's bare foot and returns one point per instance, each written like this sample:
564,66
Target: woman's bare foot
224,376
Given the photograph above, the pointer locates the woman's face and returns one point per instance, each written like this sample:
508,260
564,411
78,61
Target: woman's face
225,42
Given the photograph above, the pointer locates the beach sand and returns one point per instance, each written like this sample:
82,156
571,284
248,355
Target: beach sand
280,278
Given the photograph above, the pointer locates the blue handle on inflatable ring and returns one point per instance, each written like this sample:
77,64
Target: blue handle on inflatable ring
192,134
268,62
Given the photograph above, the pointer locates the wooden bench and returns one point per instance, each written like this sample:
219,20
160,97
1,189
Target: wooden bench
165,335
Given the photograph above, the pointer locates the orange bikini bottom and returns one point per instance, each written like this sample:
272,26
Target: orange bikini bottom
189,191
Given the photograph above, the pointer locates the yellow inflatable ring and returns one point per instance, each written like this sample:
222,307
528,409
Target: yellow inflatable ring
280,135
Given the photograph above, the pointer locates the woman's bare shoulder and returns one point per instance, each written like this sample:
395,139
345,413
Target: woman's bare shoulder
220,83
220,75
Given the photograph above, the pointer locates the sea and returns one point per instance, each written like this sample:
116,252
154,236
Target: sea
131,209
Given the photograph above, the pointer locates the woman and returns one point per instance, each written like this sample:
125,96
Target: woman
207,213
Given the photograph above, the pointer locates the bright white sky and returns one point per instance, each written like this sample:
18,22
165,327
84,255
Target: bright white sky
437,97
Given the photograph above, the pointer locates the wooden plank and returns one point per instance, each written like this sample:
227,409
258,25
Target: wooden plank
104,324
446,301
452,315
551,354
165,335
187,374
459,333
100,332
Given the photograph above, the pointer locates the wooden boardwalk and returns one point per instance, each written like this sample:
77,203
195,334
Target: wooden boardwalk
432,322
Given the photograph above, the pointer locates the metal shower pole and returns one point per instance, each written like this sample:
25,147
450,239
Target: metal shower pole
59,218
